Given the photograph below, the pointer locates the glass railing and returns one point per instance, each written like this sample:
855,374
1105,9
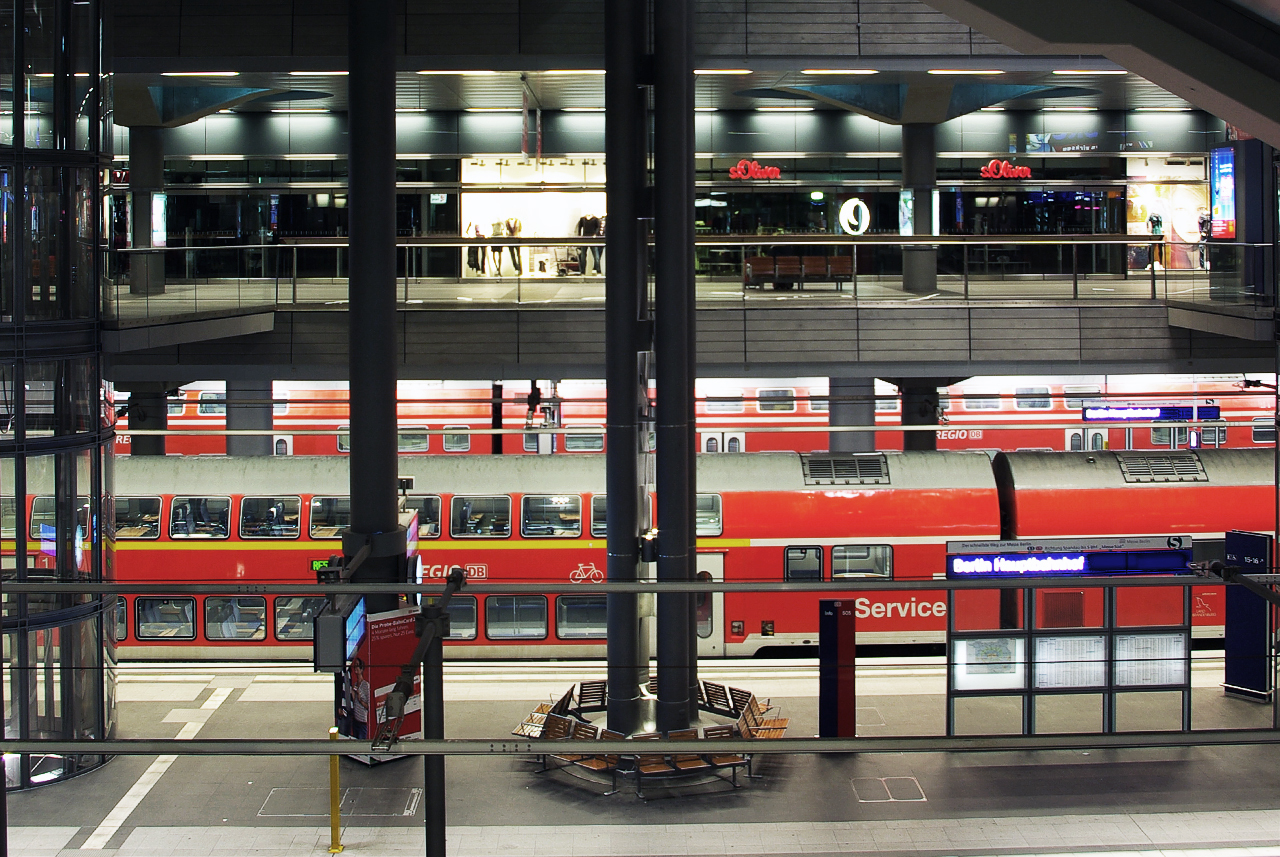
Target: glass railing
446,271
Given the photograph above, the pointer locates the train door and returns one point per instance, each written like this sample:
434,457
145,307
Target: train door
1086,439
709,606
722,441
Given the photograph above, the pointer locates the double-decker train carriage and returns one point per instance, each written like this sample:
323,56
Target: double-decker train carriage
735,415
530,519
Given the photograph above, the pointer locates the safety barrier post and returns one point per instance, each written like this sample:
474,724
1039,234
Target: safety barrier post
335,801
1075,271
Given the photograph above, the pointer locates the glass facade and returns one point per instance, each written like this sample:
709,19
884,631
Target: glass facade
56,415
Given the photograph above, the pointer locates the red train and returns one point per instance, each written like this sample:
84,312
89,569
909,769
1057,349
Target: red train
734,415
541,519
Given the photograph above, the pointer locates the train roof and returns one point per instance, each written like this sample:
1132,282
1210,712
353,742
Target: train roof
1134,469
536,474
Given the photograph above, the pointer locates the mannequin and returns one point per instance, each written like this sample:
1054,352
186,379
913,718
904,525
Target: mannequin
498,230
513,231
476,256
588,227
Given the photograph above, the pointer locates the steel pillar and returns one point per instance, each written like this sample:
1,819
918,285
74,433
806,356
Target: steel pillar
249,407
851,402
146,177
920,176
148,410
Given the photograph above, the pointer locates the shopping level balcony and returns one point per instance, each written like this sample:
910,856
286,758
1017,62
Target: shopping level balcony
786,300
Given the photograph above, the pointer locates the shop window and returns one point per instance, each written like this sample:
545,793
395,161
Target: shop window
1075,396
212,404
861,561
555,516
241,618
136,517
1032,398
122,618
428,509
457,442
165,618
295,615
462,617
707,518
270,517
199,518
581,617
330,516
1160,436
1264,430
982,402
803,564
480,517
585,442
731,403
344,438
776,400
414,442
515,617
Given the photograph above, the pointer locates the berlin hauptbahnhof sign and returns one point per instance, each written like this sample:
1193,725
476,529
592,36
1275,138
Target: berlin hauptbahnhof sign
1030,558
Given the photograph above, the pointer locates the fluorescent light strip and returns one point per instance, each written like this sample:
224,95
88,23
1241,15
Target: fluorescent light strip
706,109
478,72
966,71
787,109
991,109
582,109
199,74
838,71
1163,109
701,71
1082,71
318,73
492,109
218,157
311,157
569,71
299,110
411,110
1070,109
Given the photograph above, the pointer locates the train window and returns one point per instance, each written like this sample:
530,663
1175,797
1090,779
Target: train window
585,442
295,614
707,519
344,438
330,516
1264,430
1213,435
8,517
803,563
280,404
270,517
1160,437
44,516
473,517
175,407
515,617
713,444
457,442
462,617
703,607
731,403
122,619
1032,398
165,618
861,561
428,509
944,399
580,617
599,516
414,442
558,516
240,618
1075,395
1077,441
197,517
212,404
137,517
886,403
775,400
988,402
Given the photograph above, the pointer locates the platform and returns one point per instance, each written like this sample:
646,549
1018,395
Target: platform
1198,801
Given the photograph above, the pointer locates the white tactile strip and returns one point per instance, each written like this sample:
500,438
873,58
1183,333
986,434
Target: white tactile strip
1150,835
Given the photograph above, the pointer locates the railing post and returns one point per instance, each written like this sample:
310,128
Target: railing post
1075,271
964,266
1153,270
855,270
294,280
335,800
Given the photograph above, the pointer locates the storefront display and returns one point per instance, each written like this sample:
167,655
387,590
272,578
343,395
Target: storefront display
1167,203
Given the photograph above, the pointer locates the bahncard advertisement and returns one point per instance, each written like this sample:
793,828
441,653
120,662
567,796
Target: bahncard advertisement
386,645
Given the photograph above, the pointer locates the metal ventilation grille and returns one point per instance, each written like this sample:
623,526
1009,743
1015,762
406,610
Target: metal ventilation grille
1162,467
845,469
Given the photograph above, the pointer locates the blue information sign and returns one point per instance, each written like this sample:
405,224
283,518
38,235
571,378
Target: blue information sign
1068,558
1247,634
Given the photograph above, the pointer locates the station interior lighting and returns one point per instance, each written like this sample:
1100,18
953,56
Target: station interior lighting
319,73
469,73
1071,109
570,71
193,74
966,71
722,71
788,108
582,109
838,71
1083,71
492,109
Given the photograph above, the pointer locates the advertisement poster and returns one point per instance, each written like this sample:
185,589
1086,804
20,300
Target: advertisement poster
377,649
1222,192
1170,215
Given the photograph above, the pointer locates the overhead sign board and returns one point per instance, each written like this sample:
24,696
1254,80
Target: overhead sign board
1102,411
1069,557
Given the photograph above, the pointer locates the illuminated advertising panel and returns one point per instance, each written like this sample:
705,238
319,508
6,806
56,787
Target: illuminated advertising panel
1222,192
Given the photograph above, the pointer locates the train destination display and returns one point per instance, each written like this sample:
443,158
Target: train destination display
1097,410
1068,557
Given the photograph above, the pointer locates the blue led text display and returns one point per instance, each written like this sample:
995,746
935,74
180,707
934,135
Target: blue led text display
1075,564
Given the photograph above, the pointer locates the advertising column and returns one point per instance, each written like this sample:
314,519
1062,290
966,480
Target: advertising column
377,651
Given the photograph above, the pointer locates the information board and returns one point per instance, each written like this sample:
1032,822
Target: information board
1074,661
1247,635
1222,192
991,663
1069,558
1150,660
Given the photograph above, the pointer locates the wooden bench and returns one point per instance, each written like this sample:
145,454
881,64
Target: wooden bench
533,724
555,728
593,696
716,699
606,763
757,270
788,272
720,761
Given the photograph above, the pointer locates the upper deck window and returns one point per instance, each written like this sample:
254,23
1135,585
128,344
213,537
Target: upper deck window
480,517
270,517
776,400
212,404
137,517
198,517
1032,398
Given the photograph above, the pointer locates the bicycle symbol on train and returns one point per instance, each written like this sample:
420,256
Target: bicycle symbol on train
586,572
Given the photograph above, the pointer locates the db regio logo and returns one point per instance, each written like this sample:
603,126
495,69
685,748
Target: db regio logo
474,571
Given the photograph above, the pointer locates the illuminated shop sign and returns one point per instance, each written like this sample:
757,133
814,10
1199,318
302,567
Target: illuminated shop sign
753,170
1139,411
855,217
1068,558
1005,170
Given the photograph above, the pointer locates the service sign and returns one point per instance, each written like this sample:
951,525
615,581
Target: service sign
1068,558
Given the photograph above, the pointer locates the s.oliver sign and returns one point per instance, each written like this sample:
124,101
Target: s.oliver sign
753,170
1005,170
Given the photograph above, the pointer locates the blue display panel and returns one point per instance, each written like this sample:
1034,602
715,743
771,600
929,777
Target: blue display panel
1222,192
355,628
1068,558
1122,412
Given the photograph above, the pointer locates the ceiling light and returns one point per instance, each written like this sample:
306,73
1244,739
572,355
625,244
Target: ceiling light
1163,109
567,71
1090,71
722,71
966,71
411,110
311,157
838,71
299,110
582,109
787,109
218,157
199,74
706,109
492,109
1070,109
226,110
317,73
991,109
472,72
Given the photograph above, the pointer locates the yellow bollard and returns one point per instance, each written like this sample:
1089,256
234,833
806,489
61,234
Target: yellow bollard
335,801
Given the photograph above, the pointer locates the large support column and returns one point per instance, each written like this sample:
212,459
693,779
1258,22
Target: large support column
851,402
920,176
249,407
148,411
919,408
673,273
146,176
625,134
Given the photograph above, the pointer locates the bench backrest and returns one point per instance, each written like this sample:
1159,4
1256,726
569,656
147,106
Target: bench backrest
788,266
563,704
585,731
557,727
717,696
841,266
741,698
745,727
593,694
758,266
814,266
712,733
